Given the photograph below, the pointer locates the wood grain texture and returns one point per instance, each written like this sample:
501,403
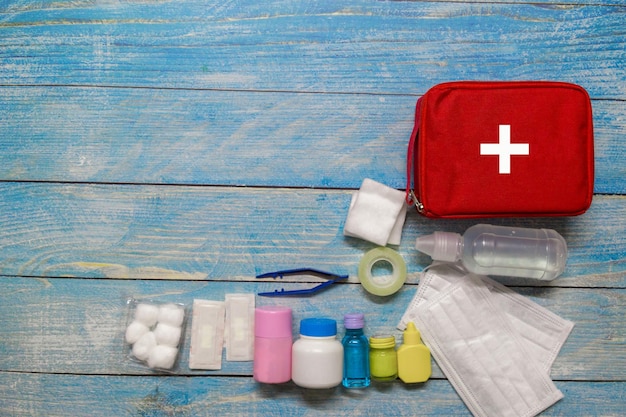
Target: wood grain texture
231,138
76,326
360,47
62,395
171,150
134,232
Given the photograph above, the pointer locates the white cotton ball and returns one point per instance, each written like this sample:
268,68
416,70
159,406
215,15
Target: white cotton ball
143,346
162,357
171,314
135,330
167,335
147,314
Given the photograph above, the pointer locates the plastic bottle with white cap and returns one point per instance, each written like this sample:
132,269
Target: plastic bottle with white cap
502,251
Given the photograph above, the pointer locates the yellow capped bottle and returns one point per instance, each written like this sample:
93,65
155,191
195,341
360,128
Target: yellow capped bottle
413,357
383,358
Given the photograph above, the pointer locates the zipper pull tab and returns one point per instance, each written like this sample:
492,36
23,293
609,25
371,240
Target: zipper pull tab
412,200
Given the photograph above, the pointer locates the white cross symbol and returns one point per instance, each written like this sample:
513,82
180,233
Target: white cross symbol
504,149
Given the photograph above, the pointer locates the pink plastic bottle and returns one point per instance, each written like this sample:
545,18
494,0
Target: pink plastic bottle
272,344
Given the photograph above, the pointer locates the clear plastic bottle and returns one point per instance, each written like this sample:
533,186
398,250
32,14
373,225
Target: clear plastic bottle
498,250
356,362
317,357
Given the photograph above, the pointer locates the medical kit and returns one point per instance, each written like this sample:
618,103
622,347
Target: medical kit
478,149
501,149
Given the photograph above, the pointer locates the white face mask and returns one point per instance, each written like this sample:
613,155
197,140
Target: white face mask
543,333
495,346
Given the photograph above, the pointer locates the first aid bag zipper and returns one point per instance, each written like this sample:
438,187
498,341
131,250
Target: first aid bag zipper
412,197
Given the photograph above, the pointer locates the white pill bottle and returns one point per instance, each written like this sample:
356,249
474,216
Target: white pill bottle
317,356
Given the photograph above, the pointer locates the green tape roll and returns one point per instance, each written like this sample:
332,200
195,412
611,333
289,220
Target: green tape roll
382,285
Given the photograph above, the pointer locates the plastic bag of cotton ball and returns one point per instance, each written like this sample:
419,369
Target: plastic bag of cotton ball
135,330
142,347
162,357
171,314
146,314
167,335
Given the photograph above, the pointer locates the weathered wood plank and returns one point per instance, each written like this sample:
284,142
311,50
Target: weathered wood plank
76,326
366,46
125,231
63,395
231,138
267,94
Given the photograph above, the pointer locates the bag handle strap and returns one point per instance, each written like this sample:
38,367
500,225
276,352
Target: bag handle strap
409,196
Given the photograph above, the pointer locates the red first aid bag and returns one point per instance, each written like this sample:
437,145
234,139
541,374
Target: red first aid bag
496,149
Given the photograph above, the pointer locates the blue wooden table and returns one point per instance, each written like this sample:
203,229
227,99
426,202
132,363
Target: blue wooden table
171,150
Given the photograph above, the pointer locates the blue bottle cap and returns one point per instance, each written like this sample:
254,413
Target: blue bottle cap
318,327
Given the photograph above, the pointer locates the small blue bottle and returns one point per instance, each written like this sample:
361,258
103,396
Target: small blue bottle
356,363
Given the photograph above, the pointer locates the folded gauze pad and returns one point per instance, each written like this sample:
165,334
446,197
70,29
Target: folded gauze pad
374,212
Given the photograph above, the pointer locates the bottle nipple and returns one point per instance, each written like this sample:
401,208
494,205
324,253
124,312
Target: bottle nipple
441,246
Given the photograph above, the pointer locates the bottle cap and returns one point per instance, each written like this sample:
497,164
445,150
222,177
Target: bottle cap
557,253
318,327
382,342
272,321
441,246
354,321
411,335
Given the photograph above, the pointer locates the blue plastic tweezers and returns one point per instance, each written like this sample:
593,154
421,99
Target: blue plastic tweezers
332,278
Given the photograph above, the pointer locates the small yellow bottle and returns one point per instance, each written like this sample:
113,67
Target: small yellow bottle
413,357
383,358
